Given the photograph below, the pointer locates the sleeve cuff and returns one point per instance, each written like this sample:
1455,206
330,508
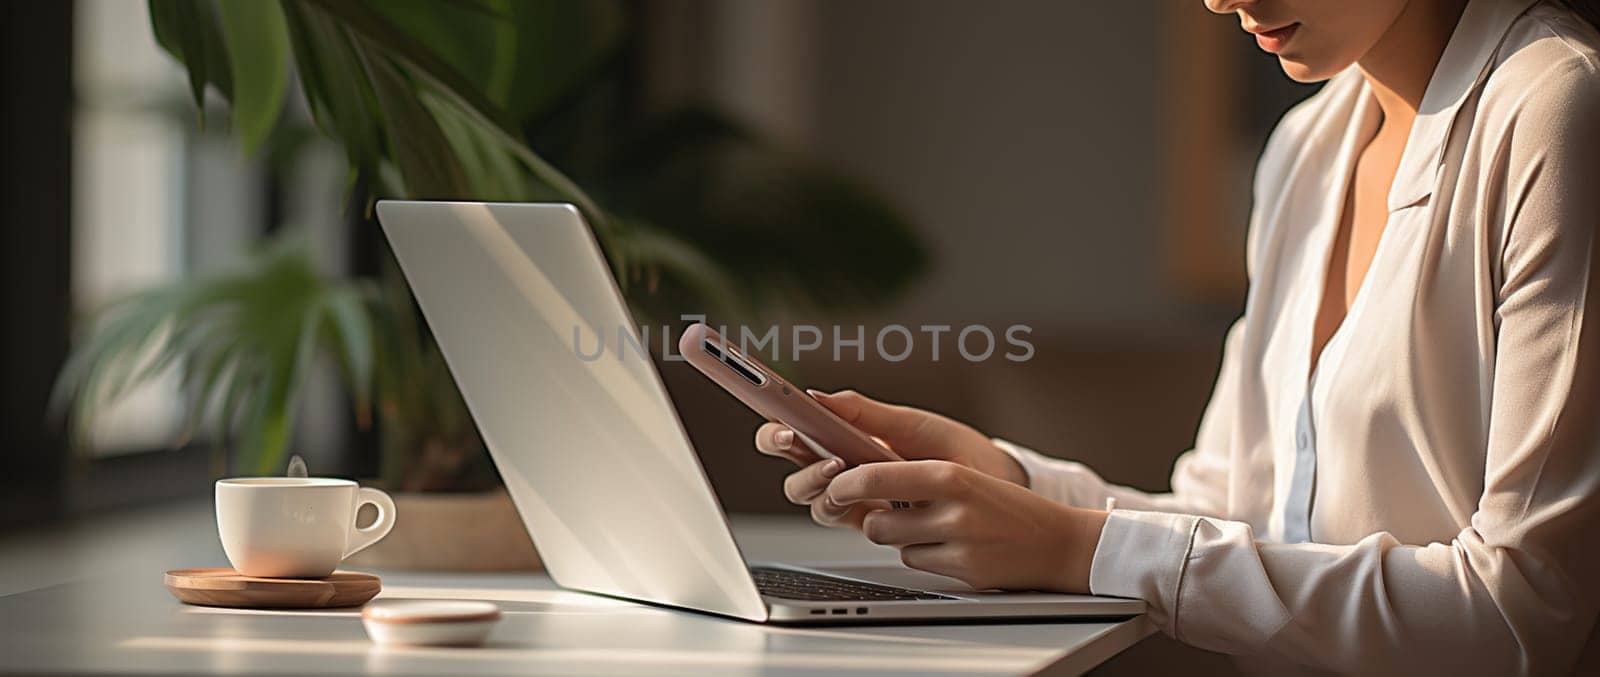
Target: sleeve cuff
1171,559
1143,555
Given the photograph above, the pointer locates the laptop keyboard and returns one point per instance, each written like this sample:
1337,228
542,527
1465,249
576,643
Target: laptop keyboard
803,585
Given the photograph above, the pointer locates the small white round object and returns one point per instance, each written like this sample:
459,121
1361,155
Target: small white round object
429,622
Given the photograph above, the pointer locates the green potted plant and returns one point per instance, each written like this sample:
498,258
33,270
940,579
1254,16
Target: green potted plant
446,100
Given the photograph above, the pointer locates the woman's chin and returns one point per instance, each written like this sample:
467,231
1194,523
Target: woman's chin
1301,70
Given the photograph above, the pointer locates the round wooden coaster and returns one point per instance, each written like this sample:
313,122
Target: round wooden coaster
226,587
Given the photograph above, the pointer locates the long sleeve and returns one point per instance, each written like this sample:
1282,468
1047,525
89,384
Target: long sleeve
1515,591
1199,478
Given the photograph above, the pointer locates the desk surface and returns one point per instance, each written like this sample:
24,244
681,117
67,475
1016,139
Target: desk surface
89,599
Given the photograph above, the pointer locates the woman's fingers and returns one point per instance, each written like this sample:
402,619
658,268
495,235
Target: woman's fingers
901,427
806,484
944,559
870,488
831,514
809,486
910,481
776,439
907,527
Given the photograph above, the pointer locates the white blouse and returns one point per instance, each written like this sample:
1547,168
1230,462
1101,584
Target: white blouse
1429,499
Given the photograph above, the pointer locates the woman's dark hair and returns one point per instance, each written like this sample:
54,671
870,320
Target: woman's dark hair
1589,10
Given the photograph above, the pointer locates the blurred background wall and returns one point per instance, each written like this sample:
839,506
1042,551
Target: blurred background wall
1080,168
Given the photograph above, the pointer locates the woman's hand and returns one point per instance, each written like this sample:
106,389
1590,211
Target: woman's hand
987,532
912,433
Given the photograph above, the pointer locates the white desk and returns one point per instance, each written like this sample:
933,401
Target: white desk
89,599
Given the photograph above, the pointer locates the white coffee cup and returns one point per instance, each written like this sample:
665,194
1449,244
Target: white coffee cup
296,527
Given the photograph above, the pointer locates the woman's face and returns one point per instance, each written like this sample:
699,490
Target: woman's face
1314,39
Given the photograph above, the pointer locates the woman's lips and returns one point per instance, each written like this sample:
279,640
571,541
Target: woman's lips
1274,40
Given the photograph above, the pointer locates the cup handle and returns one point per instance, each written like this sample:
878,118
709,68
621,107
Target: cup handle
361,537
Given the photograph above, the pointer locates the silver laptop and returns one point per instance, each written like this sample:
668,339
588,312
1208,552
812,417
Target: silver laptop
591,449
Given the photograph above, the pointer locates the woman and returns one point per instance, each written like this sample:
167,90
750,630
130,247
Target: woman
1400,465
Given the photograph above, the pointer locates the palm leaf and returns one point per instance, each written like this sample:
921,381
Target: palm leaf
188,30
243,342
494,173
258,48
427,163
334,84
456,88
351,321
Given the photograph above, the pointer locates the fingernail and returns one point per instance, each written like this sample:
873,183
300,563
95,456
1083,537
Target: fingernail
832,468
815,393
784,438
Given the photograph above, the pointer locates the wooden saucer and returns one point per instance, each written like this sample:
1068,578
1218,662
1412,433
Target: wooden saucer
229,588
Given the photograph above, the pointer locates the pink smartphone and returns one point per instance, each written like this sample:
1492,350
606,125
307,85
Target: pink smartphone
763,390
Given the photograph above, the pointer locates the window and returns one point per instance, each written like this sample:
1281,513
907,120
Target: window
143,175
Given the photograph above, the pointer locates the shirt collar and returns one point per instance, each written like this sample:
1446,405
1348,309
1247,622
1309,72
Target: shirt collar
1463,67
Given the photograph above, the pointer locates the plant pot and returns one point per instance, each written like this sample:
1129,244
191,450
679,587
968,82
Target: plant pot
453,532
